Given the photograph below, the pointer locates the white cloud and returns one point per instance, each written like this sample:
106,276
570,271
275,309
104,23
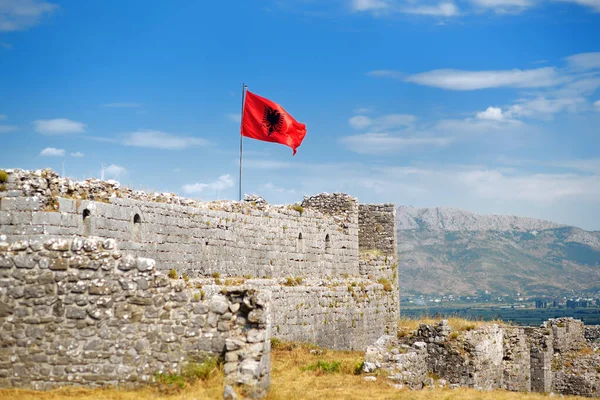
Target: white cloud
445,9
77,154
161,140
18,15
382,143
382,123
114,171
452,79
58,126
597,105
52,152
369,5
504,6
542,107
222,183
584,61
360,122
122,105
492,113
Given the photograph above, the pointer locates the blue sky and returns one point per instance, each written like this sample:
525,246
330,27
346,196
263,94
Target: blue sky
491,106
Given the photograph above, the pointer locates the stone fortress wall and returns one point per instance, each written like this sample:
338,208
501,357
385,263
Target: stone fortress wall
331,278
81,312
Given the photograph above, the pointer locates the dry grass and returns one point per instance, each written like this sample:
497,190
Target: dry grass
291,380
407,325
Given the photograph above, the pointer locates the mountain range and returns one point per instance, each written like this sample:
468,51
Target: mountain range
450,251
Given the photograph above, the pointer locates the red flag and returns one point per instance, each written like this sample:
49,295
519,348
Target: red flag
265,120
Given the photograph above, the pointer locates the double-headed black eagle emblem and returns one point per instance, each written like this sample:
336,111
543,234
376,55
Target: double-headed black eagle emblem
272,120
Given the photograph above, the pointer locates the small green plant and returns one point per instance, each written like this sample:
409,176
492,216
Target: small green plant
218,281
298,280
216,275
185,277
324,367
290,282
276,343
453,336
197,296
285,228
173,274
3,188
297,207
3,176
598,369
358,367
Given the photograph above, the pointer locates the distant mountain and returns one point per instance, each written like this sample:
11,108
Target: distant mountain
450,251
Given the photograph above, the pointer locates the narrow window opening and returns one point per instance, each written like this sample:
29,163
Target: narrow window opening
137,228
300,245
327,243
87,222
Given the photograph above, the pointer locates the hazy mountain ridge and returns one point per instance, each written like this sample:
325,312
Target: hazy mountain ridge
445,250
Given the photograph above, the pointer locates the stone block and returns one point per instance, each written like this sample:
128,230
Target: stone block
67,205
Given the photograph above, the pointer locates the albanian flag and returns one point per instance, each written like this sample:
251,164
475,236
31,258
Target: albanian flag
265,120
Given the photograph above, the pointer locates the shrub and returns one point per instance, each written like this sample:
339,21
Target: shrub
216,275
185,277
298,280
387,286
3,176
325,367
290,282
358,367
173,274
3,188
298,207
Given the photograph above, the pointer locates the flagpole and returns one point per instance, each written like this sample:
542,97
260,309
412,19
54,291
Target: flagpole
241,125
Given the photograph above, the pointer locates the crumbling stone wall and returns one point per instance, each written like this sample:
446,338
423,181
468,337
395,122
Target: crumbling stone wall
79,312
377,228
567,333
516,360
592,333
541,351
490,357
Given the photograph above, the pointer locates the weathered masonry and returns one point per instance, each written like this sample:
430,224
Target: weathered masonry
559,356
80,312
328,264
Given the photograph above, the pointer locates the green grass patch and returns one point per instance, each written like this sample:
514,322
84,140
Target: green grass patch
324,367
